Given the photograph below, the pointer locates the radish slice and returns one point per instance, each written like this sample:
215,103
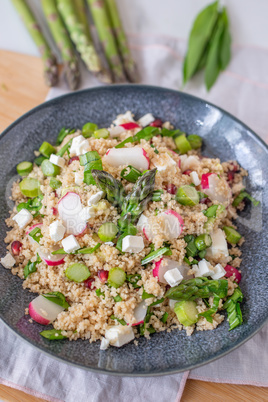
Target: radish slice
135,156
173,223
165,264
230,271
191,162
50,259
216,188
69,207
129,126
140,313
44,311
219,247
115,131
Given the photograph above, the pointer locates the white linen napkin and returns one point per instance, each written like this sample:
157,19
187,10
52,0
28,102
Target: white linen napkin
243,91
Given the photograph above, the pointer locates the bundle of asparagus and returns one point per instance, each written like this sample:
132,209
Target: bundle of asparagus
68,24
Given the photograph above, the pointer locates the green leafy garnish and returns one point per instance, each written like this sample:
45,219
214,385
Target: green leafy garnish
213,309
122,322
164,317
241,196
32,205
63,133
145,134
52,334
29,268
118,298
155,254
100,293
57,298
134,279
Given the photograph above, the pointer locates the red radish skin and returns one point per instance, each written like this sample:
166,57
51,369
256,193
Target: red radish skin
50,259
146,156
54,211
230,271
16,247
36,317
156,268
34,226
130,126
179,163
89,283
103,275
205,181
73,158
107,153
157,123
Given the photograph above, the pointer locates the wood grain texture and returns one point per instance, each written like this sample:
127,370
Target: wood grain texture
22,88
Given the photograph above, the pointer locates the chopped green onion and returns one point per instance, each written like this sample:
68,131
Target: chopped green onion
211,211
187,195
146,295
145,134
90,156
49,169
213,309
107,231
77,272
47,149
191,249
157,195
202,254
186,312
201,195
155,149
134,279
203,241
190,262
232,235
38,161
122,322
159,301
237,296
32,205
170,133
88,178
52,334
55,183
88,250
208,226
195,141
130,174
29,268
30,187
99,293
65,148
102,133
164,317
63,133
57,298
233,309
155,254
118,298
36,234
88,129
59,251
24,168
183,144
243,194
116,277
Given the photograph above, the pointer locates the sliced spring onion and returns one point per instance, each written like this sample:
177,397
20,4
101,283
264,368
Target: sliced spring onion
88,129
39,160
190,262
187,195
99,293
32,205
52,334
102,133
170,133
186,312
116,277
55,183
159,301
65,148
49,169
211,211
130,174
233,309
36,234
195,141
203,241
232,235
24,168
164,317
157,195
118,298
63,133
88,250
47,149
212,310
202,254
122,322
90,156
30,187
77,272
29,268
57,298
208,226
243,194
134,279
191,249
88,178
145,134
201,195
107,231
155,254
146,295
182,144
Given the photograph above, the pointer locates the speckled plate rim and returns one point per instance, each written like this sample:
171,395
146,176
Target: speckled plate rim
250,132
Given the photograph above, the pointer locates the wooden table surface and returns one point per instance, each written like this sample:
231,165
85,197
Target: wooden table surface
21,89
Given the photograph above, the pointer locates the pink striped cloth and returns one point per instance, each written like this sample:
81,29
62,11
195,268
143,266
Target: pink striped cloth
241,90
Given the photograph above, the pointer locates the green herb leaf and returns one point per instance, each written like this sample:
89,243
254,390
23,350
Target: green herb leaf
211,211
122,322
213,66
100,293
225,45
146,295
63,133
213,309
157,302
52,334
118,298
164,317
134,279
154,254
29,268
57,298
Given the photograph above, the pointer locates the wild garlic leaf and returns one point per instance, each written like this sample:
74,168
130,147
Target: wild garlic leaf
213,67
200,34
225,46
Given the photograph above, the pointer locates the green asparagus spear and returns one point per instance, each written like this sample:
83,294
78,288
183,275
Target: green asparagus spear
114,190
192,289
129,64
106,36
61,37
83,44
136,201
81,12
49,60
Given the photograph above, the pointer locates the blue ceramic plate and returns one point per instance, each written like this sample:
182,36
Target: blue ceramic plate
224,137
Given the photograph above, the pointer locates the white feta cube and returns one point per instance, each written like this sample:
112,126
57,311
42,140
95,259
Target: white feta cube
79,146
172,303
104,344
56,231
195,178
123,118
23,218
219,272
70,244
87,213
173,277
119,335
146,119
204,268
8,261
95,198
115,131
57,160
132,244
78,178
